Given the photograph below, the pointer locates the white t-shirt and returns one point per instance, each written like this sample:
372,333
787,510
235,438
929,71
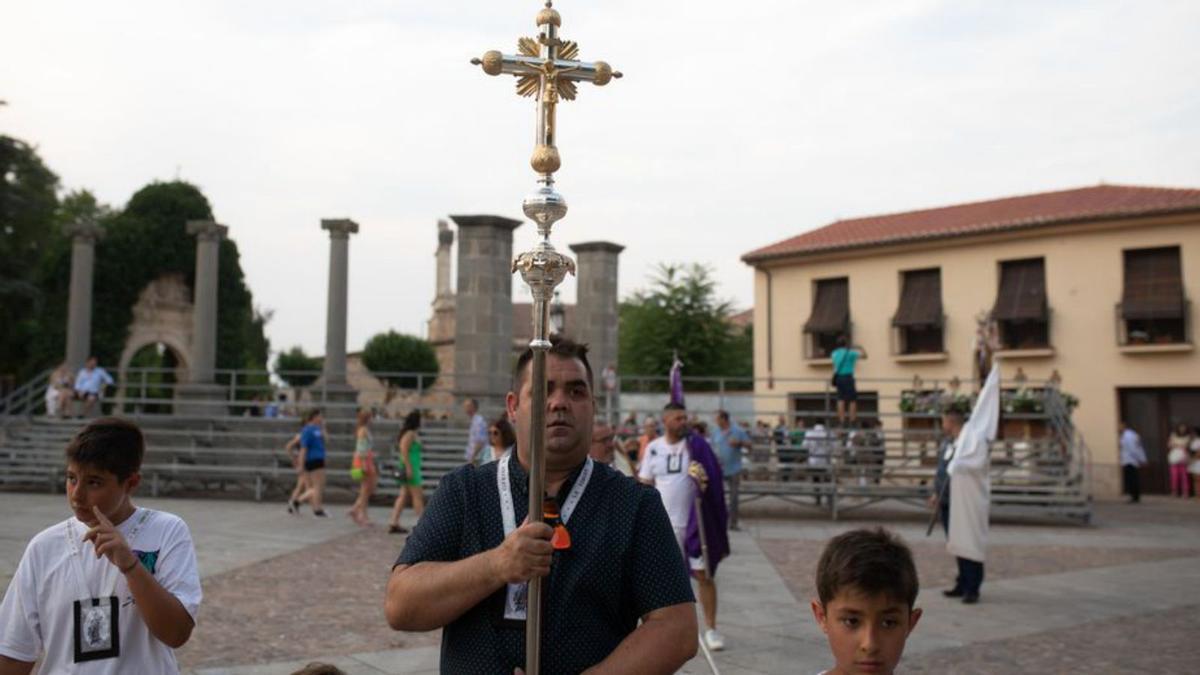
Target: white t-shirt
37,615
667,464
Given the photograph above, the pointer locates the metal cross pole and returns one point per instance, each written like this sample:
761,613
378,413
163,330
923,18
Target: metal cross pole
547,68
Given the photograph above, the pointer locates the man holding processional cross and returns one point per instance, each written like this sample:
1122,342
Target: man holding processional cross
589,548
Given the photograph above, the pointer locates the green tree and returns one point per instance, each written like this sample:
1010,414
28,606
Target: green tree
28,203
680,313
142,242
296,368
392,352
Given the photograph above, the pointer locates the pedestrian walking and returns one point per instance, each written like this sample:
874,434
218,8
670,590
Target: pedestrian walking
363,468
1133,458
1177,459
408,445
312,446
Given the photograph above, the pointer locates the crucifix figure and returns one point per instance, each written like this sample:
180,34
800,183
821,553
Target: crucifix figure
547,67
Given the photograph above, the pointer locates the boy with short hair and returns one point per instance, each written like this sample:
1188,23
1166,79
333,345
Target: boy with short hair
113,589
866,588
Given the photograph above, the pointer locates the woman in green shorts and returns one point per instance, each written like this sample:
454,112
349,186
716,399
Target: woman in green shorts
409,443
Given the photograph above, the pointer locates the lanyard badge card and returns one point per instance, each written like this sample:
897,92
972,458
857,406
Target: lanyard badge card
97,618
96,635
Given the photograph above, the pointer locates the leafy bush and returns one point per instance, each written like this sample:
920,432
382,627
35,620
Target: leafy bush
392,352
296,368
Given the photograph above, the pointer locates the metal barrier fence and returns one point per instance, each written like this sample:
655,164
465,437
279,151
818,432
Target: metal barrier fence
891,458
798,401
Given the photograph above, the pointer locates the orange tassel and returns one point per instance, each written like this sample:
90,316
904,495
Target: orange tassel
561,539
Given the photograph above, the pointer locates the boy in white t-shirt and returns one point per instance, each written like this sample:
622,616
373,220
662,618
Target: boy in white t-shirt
866,588
113,589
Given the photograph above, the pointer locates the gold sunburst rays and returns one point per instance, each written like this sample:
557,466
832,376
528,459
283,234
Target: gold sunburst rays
568,50
530,85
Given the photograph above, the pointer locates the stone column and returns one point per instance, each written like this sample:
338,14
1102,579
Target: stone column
335,316
84,235
441,323
338,395
445,241
202,395
483,331
596,309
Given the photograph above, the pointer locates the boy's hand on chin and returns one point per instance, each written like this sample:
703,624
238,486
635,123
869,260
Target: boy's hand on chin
109,542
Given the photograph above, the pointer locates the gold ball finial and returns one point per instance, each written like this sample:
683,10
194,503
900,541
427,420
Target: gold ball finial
604,74
545,159
493,62
549,15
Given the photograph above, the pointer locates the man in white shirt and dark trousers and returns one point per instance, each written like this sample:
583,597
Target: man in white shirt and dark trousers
477,434
90,384
672,465
1133,456
114,589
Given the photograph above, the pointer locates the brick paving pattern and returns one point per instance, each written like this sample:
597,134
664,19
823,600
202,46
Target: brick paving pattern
796,561
1158,643
321,601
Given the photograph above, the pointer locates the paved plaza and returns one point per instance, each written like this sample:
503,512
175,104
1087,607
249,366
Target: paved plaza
1118,596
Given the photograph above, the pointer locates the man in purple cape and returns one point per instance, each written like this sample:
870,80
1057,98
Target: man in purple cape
684,483
713,513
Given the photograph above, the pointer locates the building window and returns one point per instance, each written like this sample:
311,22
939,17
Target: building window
1021,311
919,321
1153,309
830,317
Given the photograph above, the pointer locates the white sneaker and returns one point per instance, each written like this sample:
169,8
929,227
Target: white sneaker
714,640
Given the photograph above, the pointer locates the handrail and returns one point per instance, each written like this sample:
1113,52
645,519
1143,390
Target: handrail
150,390
23,400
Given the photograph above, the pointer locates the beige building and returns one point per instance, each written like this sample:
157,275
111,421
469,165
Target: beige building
1093,283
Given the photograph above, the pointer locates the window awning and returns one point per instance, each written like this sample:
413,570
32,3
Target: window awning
831,308
1022,295
1153,284
920,300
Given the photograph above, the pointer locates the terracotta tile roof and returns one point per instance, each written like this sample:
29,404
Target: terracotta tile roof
1090,203
742,319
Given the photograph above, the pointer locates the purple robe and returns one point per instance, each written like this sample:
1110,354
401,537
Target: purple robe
712,505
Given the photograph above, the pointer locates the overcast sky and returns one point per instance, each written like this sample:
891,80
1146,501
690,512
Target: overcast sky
738,123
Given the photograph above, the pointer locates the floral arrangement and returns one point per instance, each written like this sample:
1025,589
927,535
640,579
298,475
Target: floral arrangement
1030,400
1025,400
934,402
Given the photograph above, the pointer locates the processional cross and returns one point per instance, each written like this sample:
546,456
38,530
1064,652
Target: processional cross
547,68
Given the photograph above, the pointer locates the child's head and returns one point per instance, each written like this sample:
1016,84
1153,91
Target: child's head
103,461
320,669
866,588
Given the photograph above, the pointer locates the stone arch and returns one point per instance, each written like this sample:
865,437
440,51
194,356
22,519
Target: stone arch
162,315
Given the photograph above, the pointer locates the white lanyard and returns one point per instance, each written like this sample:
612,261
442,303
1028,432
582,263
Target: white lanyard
77,555
517,595
508,512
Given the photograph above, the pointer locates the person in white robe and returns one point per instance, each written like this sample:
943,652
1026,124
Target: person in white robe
970,488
